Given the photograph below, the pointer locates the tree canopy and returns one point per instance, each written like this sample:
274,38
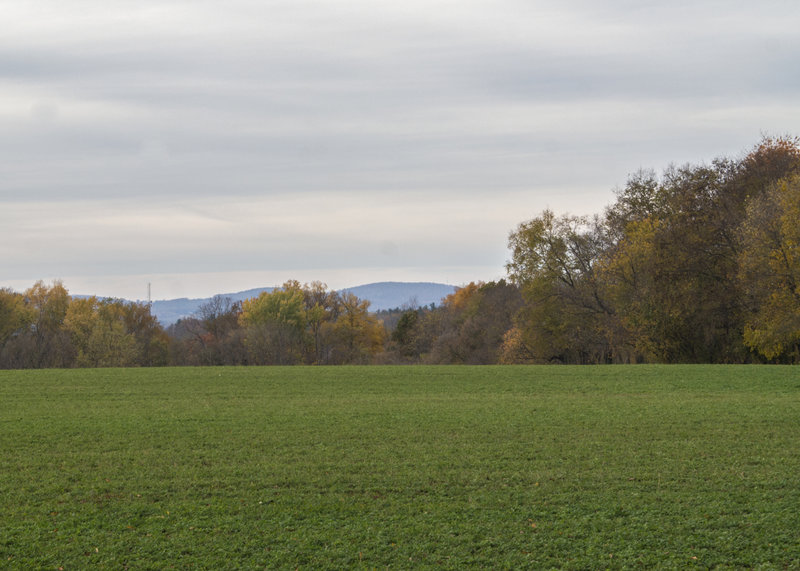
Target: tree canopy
699,264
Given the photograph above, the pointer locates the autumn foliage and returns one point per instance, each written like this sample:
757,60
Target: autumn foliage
700,264
696,264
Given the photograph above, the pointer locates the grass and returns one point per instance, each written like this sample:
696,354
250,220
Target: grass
401,467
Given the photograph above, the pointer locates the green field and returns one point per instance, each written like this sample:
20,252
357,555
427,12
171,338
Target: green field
401,467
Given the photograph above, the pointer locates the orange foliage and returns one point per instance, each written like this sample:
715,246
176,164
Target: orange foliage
459,299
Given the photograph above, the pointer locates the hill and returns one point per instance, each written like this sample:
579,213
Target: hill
382,295
389,295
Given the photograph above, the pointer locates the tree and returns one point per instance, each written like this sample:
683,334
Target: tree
14,316
275,323
110,343
553,264
80,320
360,334
15,323
47,342
216,333
514,351
641,198
152,344
322,307
475,320
407,335
770,271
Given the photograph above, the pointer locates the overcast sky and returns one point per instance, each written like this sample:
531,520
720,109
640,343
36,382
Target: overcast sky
209,147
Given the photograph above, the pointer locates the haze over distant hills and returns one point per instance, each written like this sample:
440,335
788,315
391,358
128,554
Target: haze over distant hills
382,295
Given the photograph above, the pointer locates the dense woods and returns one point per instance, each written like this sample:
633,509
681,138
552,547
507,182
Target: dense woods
697,264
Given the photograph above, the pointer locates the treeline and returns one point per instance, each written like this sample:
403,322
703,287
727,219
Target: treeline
295,324
309,324
46,327
698,264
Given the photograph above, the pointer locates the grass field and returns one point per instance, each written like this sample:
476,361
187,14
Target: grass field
401,467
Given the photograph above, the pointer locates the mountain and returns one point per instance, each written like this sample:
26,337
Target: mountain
382,295
389,295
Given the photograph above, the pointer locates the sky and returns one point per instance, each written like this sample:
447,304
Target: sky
209,147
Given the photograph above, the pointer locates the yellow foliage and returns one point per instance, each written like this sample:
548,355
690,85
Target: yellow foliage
770,269
460,299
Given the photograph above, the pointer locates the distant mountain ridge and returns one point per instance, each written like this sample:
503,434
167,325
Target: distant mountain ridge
381,295
390,295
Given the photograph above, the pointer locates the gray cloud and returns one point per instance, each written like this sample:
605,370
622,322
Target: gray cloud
161,110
